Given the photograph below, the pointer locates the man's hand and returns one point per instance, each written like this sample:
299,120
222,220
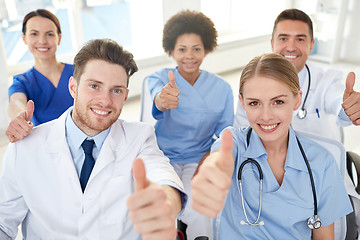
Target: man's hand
150,208
168,98
211,184
351,100
21,126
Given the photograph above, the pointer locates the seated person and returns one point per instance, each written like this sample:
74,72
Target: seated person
191,105
267,180
46,84
72,178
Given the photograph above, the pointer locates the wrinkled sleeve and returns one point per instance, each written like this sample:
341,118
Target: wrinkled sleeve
13,208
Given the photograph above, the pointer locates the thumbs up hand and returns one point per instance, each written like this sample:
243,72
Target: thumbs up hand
351,100
21,126
211,184
150,208
168,98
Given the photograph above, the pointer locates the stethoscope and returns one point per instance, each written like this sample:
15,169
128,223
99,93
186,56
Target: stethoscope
313,222
302,112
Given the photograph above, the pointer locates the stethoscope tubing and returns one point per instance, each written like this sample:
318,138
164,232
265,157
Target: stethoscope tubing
302,112
249,160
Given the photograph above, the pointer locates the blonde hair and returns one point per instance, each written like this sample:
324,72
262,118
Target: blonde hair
274,66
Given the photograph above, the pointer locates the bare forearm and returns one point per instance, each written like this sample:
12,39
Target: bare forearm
17,105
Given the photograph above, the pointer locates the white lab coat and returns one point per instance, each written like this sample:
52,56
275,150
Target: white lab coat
40,187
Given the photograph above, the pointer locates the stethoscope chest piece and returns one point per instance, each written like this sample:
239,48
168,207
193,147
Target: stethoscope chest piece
314,222
302,113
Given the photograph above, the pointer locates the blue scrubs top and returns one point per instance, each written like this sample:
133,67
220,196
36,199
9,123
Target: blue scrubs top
50,102
285,208
186,133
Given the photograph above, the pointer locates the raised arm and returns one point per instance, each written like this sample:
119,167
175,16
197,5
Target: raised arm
351,100
20,113
211,184
153,208
168,98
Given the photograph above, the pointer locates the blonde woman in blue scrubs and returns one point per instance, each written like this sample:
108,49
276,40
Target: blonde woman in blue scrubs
191,105
269,93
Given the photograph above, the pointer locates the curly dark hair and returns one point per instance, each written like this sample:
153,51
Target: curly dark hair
187,21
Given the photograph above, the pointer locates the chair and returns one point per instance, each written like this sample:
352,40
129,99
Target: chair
339,153
146,104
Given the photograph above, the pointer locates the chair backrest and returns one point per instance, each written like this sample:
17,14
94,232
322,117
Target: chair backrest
146,104
339,153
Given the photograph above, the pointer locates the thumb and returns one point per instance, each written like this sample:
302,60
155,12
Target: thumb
29,110
172,79
350,82
139,174
226,161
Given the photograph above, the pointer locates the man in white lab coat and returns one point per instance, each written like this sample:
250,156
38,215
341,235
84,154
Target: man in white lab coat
327,104
40,186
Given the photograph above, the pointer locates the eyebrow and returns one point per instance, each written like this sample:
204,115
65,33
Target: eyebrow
276,97
196,45
286,35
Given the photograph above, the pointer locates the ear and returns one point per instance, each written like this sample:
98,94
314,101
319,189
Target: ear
272,44
23,38
59,39
73,87
298,100
241,101
126,96
312,45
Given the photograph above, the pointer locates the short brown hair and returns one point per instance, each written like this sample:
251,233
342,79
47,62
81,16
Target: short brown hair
187,21
295,15
107,50
274,66
41,13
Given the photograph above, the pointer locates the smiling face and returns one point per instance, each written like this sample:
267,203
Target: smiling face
269,106
189,53
99,96
292,40
42,37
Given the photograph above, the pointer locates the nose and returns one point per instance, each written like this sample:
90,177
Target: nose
189,54
105,98
267,113
291,45
42,38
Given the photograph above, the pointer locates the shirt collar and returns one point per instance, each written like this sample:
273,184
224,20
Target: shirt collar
255,148
294,158
76,137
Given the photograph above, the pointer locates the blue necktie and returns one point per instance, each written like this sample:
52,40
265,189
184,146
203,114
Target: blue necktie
89,163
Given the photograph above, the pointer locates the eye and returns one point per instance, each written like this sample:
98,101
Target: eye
282,39
278,102
301,39
197,49
119,90
51,34
94,86
33,34
181,50
253,103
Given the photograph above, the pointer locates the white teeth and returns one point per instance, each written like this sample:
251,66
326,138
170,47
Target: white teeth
43,49
290,56
100,112
268,127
